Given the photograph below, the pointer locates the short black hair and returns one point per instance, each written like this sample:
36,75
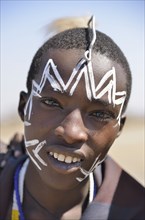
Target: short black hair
80,38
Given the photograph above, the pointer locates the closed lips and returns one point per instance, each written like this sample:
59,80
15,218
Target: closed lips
63,158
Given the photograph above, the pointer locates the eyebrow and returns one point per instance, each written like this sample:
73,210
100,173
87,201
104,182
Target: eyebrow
95,101
101,102
46,92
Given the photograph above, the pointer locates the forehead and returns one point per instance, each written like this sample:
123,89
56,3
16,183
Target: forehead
66,61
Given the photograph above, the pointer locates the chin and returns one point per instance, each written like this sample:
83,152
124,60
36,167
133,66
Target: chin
58,181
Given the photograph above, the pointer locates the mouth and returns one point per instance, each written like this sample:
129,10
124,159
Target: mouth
64,163
65,159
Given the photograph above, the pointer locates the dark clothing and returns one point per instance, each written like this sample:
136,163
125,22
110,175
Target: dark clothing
120,197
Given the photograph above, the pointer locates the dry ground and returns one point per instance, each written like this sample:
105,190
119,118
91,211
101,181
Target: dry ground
128,149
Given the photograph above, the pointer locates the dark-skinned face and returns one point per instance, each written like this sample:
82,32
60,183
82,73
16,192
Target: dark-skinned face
64,132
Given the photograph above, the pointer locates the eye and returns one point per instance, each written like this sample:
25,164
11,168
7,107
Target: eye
51,102
103,115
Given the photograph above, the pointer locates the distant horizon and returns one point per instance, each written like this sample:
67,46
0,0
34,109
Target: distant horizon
11,117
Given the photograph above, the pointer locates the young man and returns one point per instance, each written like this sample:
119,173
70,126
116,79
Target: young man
79,85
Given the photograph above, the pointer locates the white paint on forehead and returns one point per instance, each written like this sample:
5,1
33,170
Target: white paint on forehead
83,68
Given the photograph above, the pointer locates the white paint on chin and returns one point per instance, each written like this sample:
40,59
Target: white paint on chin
86,173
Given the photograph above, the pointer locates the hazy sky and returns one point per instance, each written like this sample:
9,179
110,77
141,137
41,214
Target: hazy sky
22,34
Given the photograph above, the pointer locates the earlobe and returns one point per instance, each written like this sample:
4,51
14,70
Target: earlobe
122,123
22,102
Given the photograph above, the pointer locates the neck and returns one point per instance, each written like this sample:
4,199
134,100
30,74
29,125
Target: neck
50,198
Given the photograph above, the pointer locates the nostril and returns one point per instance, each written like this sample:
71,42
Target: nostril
70,136
59,131
83,136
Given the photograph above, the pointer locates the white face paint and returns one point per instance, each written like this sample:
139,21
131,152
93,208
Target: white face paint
35,151
87,173
57,83
83,68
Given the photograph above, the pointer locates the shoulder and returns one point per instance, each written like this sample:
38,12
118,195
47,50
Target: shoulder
10,156
7,183
130,187
127,198
128,190
119,196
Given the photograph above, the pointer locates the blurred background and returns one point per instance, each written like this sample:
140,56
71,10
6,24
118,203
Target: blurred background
22,33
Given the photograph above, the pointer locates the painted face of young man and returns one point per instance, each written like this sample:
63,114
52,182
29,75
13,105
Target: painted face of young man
66,133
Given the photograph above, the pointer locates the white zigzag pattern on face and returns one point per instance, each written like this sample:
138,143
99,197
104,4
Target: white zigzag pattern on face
83,68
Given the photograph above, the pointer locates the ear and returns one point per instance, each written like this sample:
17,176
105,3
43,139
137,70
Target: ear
22,102
122,123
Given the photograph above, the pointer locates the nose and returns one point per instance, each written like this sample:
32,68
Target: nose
72,128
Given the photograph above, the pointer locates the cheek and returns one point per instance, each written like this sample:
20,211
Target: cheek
103,139
39,126
42,122
99,143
